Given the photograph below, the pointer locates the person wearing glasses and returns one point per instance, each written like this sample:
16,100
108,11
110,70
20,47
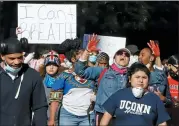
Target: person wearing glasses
114,78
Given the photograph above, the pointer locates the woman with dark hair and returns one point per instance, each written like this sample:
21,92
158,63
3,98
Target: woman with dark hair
135,105
109,80
173,80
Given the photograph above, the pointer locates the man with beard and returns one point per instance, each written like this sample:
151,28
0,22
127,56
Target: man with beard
158,82
22,91
173,80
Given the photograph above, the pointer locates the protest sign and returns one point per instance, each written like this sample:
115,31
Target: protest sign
47,23
107,44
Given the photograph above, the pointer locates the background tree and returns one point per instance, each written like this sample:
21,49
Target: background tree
137,21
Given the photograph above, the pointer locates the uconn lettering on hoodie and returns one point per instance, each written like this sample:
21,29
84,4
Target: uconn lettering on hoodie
134,108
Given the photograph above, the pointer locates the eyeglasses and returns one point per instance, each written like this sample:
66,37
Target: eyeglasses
123,52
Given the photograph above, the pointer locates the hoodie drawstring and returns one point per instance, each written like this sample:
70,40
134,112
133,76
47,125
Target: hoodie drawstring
17,94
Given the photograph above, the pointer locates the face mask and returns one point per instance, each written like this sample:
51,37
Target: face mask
12,70
92,58
174,75
138,92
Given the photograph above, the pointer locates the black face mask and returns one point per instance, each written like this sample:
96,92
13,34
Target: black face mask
174,75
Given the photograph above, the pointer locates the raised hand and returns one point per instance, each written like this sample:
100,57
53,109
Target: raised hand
92,43
62,57
154,47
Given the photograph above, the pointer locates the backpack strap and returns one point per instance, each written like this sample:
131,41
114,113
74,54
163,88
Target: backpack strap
101,75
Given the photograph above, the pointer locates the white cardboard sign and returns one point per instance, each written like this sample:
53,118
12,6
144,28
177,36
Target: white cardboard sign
111,45
47,23
107,44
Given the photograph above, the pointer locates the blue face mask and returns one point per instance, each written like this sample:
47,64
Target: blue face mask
12,70
92,58
48,81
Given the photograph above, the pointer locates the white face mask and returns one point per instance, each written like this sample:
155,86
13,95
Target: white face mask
138,92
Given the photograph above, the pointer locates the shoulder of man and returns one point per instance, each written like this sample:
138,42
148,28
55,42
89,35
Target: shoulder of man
32,73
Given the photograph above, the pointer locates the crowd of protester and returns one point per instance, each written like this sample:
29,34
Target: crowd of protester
82,88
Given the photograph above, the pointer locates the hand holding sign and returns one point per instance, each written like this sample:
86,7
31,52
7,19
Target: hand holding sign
18,30
92,43
155,48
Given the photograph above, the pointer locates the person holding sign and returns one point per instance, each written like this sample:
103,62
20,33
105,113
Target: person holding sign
113,79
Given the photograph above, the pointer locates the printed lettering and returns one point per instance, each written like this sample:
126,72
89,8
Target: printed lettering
127,103
134,108
139,107
147,109
122,104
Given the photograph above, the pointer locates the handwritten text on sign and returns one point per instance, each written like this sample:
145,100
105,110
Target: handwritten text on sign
47,23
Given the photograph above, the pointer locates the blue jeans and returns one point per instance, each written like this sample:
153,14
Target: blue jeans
68,119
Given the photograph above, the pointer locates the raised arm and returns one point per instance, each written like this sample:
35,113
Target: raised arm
81,68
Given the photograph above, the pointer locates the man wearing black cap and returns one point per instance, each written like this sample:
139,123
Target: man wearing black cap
22,91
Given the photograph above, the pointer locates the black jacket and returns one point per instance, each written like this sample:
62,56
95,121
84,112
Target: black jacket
18,111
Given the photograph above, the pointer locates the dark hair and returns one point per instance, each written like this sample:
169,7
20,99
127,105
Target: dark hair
173,60
42,70
71,54
135,67
13,45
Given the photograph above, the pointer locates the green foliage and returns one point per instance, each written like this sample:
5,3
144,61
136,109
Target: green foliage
118,17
